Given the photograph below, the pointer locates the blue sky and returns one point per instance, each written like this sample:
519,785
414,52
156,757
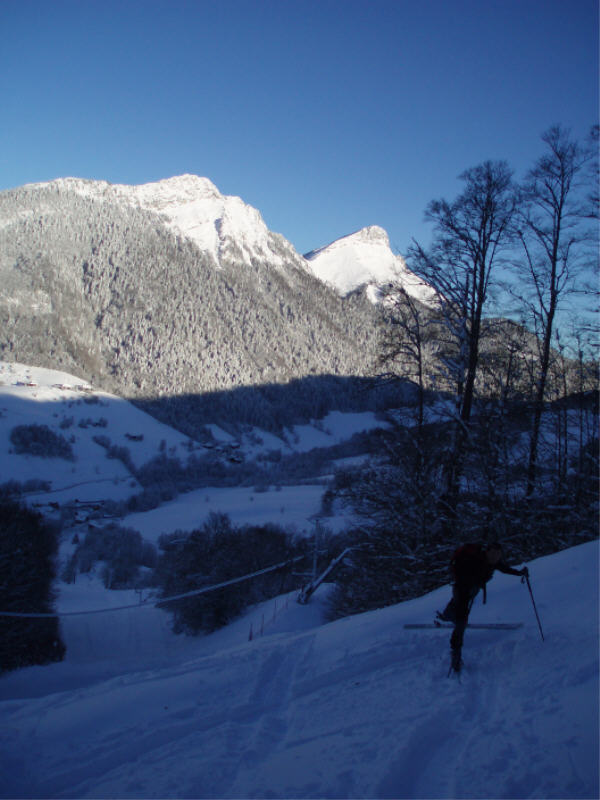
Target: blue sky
326,115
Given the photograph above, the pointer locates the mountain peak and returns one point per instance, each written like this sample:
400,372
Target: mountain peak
180,188
223,225
372,233
364,259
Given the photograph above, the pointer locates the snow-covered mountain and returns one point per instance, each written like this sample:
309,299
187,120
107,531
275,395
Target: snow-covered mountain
166,288
364,259
231,231
224,226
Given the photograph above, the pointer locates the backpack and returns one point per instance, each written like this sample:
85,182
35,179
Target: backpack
464,554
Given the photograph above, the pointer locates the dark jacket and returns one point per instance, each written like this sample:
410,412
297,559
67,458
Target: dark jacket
472,570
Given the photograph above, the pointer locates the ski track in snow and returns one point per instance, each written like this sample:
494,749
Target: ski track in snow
356,708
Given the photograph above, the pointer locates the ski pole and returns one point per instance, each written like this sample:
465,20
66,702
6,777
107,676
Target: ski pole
537,616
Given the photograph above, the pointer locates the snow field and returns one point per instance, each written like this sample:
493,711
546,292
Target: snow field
356,708
31,395
292,507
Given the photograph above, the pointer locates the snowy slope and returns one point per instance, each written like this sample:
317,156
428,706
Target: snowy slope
365,258
72,409
218,223
293,507
356,708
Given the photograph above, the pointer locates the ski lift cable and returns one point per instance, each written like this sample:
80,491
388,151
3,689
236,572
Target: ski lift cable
154,603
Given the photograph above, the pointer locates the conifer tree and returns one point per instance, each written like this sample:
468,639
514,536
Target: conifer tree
27,553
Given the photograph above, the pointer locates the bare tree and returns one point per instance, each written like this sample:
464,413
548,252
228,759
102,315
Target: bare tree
470,235
593,196
405,341
554,239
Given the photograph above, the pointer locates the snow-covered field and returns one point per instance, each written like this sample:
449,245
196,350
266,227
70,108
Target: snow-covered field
30,395
293,507
358,708
64,403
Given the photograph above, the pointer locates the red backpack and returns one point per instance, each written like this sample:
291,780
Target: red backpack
464,554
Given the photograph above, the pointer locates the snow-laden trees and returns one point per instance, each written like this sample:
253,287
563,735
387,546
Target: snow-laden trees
107,292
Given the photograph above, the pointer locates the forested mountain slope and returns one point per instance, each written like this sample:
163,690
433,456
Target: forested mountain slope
107,289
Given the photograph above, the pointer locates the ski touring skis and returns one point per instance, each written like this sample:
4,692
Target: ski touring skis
500,626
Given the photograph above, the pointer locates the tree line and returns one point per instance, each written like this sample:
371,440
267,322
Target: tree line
512,451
